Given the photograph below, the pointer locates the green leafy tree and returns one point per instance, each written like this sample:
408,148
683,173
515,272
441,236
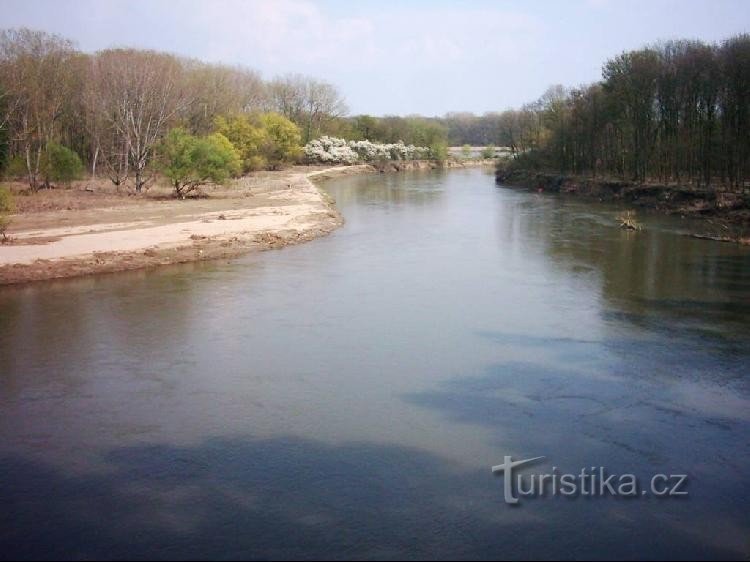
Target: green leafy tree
60,164
190,162
466,151
248,138
7,208
366,127
282,139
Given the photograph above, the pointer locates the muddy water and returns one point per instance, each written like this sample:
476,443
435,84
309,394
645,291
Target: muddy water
347,397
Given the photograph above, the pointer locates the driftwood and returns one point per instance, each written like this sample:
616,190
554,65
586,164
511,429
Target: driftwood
628,221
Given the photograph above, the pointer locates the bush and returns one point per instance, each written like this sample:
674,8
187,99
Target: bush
60,164
332,150
439,151
16,168
282,139
488,152
190,162
7,208
262,140
247,138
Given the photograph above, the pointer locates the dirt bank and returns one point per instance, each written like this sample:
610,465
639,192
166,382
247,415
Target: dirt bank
105,232
92,228
727,213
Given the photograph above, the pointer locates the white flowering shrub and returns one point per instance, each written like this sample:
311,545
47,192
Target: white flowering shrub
339,151
330,150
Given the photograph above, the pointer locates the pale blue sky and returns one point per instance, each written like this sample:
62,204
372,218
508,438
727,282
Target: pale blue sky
391,56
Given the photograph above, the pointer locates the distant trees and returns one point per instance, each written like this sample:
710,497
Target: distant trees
416,130
114,107
35,74
677,112
308,102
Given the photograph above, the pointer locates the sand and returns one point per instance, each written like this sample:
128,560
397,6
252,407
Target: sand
277,209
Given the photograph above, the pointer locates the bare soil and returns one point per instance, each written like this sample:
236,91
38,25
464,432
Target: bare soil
91,227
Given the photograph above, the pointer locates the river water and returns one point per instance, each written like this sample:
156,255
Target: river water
348,397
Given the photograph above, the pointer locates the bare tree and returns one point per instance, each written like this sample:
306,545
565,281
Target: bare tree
221,90
139,94
36,71
307,102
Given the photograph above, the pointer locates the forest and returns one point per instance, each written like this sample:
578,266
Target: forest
676,111
112,111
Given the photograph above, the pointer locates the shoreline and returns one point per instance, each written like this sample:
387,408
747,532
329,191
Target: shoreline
283,209
196,230
723,216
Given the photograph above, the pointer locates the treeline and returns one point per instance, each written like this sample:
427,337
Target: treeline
675,112
111,110
453,129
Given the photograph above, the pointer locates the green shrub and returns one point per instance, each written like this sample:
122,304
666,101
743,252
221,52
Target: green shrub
60,164
16,168
190,162
439,151
247,138
488,151
7,208
283,139
262,140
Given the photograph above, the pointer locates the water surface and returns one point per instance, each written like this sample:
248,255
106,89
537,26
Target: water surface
347,397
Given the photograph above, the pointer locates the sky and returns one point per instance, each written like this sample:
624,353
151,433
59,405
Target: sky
394,57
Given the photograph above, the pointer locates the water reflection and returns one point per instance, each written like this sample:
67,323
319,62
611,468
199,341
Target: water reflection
348,396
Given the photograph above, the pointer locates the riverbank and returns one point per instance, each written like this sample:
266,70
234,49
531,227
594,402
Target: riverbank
90,230
259,212
726,214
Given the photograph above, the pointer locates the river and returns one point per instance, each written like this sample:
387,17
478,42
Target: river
348,397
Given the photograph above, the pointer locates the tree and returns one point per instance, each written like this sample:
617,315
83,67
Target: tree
59,163
7,208
308,102
190,162
221,90
35,69
488,152
366,127
140,94
249,138
283,139
4,130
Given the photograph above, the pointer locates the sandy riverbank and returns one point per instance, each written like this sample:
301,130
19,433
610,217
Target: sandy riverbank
259,212
88,232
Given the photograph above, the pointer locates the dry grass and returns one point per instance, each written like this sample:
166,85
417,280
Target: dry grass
102,193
